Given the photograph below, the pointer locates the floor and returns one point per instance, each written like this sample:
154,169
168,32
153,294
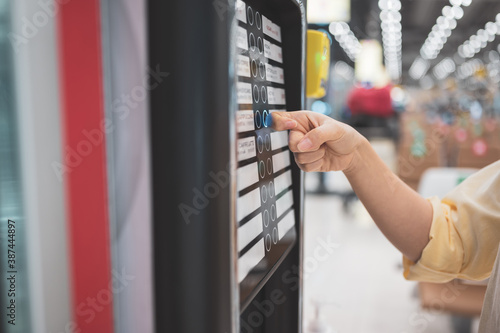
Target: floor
353,278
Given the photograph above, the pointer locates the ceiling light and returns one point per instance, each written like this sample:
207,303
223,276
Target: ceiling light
333,28
448,12
458,12
475,43
494,56
395,6
453,24
418,68
491,28
391,35
442,30
346,39
480,40
482,34
461,51
384,15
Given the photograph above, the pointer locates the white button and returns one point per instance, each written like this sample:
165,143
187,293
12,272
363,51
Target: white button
271,189
264,193
267,141
256,94
262,70
248,231
246,176
266,218
286,224
244,93
262,169
268,242
242,66
275,235
250,15
240,11
241,38
276,96
283,203
246,148
279,139
258,119
280,160
274,74
271,29
260,45
252,41
247,204
283,182
250,259
260,144
245,122
254,68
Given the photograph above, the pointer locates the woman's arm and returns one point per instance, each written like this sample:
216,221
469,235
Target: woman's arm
320,143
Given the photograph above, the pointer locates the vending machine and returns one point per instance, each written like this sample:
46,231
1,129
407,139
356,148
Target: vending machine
227,195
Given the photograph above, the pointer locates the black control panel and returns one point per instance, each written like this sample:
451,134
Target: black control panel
265,214
227,196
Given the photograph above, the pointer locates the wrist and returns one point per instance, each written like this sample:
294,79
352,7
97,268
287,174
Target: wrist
361,151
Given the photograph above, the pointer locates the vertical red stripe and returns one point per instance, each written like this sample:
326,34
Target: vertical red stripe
80,64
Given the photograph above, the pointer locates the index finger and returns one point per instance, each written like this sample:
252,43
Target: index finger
280,121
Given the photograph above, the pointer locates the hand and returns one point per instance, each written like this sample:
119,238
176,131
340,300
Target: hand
323,144
318,142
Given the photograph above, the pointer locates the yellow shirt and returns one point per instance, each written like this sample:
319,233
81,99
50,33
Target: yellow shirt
465,232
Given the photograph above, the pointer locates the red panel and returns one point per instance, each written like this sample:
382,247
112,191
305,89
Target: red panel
80,65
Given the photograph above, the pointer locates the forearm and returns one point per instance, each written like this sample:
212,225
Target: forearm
323,144
401,214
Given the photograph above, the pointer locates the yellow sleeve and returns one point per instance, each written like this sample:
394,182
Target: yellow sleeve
465,232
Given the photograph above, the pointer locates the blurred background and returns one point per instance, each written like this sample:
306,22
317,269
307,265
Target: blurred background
420,79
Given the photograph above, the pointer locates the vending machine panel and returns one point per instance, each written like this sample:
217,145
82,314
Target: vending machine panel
227,196
265,215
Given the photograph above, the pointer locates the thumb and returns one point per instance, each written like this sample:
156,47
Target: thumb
314,139
281,121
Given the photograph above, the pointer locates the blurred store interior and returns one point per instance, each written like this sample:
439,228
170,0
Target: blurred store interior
439,63
420,79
